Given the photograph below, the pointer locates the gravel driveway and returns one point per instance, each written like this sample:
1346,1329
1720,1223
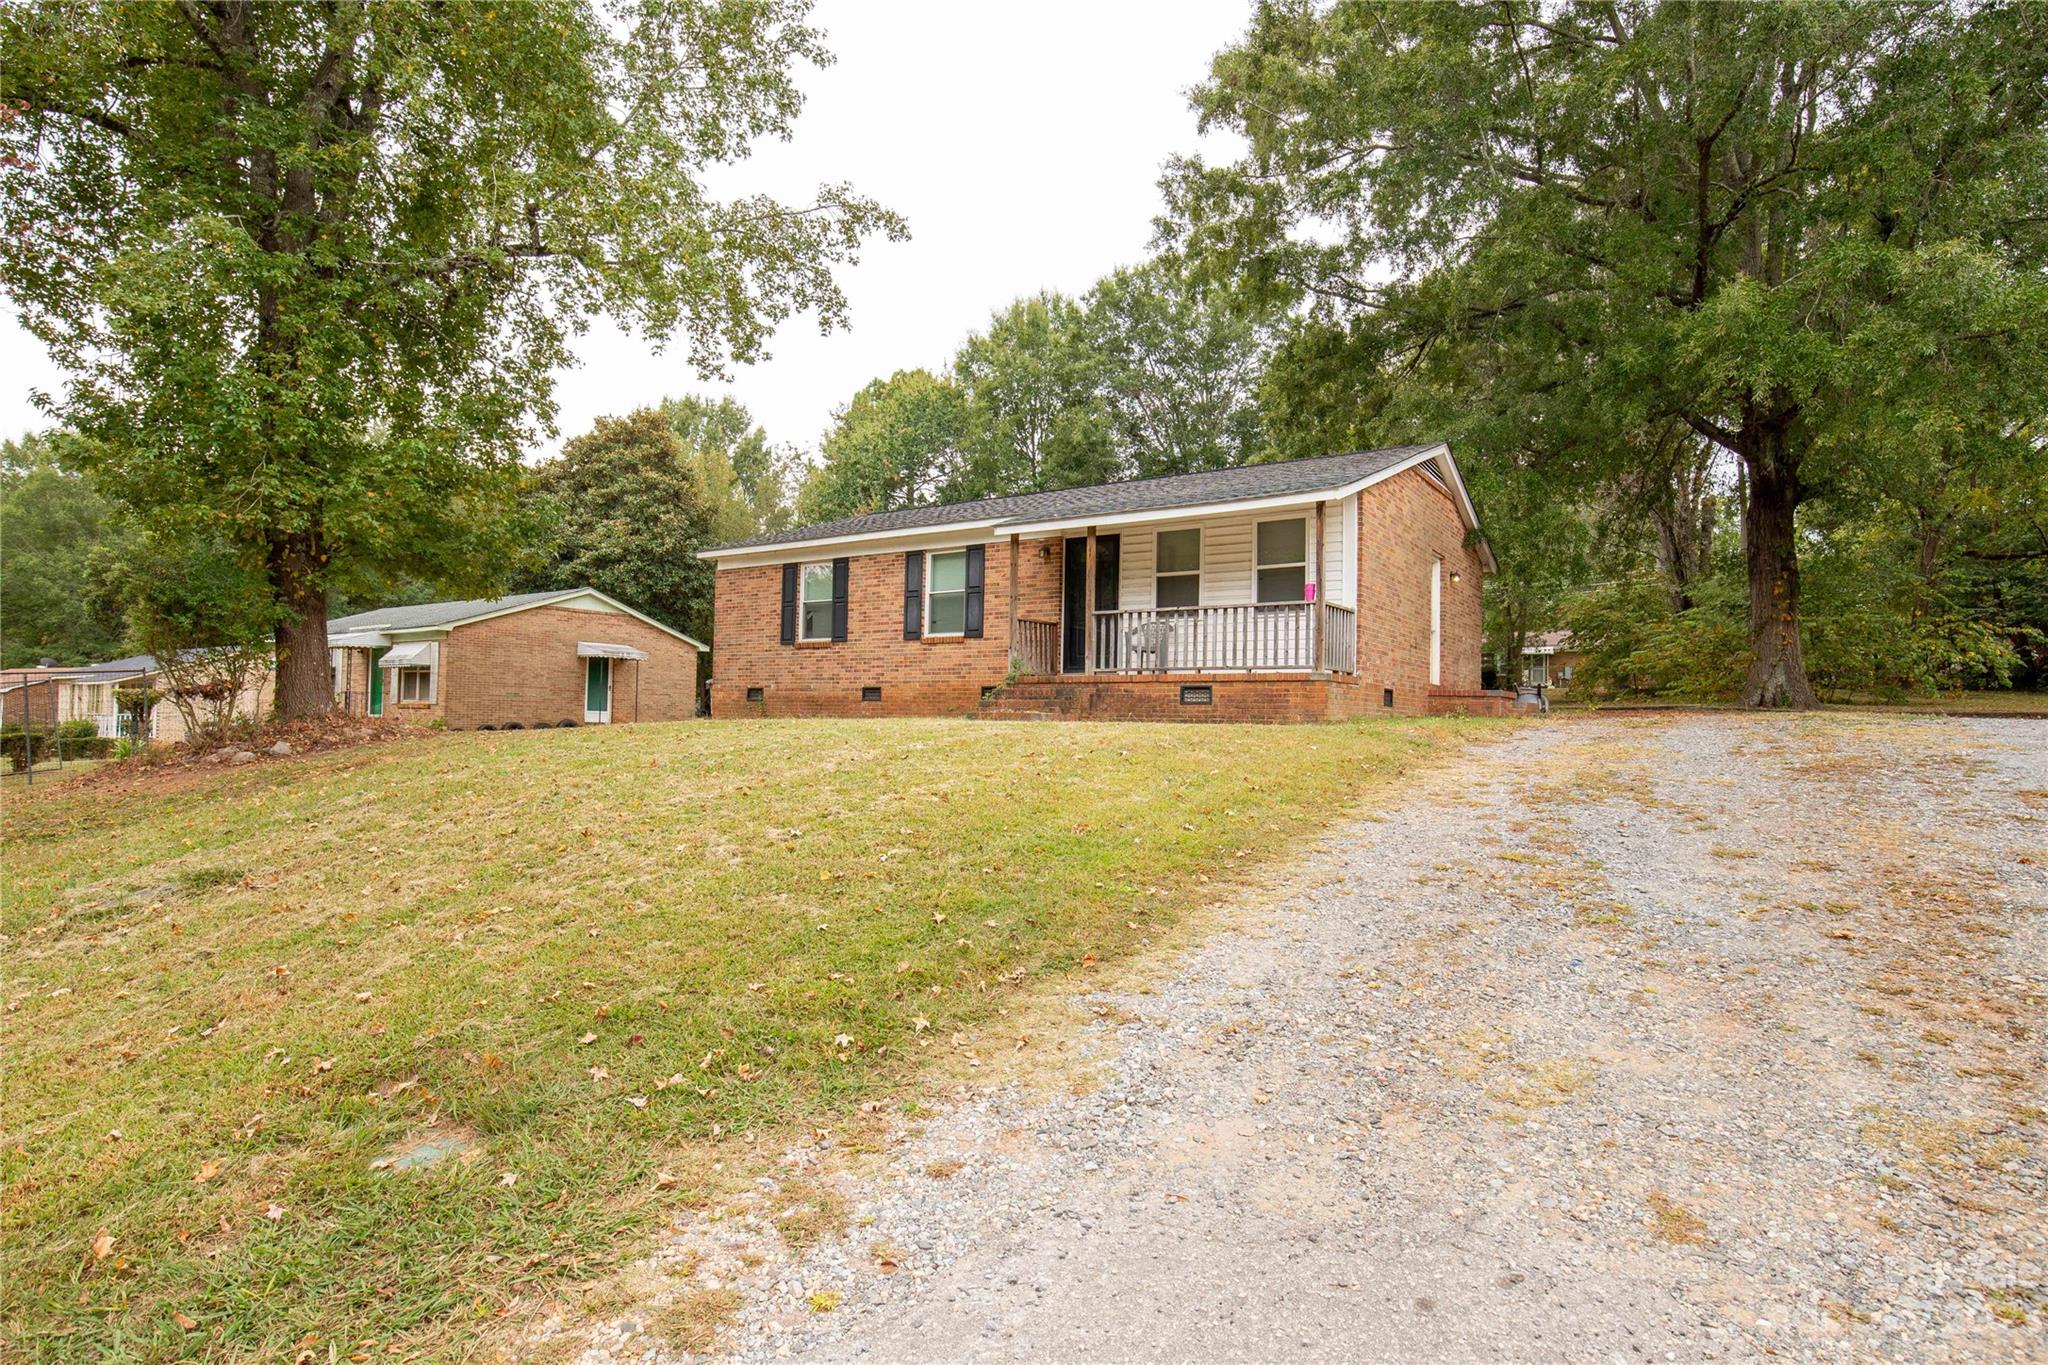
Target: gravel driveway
1683,1036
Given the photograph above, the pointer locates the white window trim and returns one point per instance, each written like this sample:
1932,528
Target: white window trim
803,575
1201,558
929,633
1307,530
398,682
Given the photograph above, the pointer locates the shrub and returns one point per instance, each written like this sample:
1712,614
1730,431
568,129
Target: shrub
84,727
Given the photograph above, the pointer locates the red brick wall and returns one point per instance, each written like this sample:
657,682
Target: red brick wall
918,677
1279,699
523,666
1403,524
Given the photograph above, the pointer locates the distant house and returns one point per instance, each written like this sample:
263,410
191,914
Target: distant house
537,658
95,692
1313,589
1550,661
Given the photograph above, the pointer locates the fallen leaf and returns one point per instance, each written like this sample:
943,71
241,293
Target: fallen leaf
587,1038
207,1171
598,1073
102,1245
842,1040
509,1179
273,1212
666,1180
637,1101
188,1323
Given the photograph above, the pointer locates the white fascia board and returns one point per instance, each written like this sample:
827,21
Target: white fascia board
359,639
1195,511
881,542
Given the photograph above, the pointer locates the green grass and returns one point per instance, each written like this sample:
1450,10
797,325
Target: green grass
228,993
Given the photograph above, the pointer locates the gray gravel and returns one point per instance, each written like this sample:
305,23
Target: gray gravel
1684,1037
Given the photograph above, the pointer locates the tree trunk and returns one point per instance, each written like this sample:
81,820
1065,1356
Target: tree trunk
304,685
1777,666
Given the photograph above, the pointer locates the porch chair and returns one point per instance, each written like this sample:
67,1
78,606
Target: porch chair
1150,637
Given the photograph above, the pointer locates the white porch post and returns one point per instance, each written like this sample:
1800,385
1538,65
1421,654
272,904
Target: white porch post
1317,661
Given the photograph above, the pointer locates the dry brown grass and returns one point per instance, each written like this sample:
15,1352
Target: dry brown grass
693,1320
1673,1222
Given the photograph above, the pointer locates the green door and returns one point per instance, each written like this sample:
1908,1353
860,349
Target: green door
597,691
377,681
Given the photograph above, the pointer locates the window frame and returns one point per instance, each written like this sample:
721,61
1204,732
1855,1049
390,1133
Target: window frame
961,593
427,684
803,580
1259,566
1194,573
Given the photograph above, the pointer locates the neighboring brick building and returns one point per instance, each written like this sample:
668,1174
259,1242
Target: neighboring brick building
1309,590
534,659
1551,661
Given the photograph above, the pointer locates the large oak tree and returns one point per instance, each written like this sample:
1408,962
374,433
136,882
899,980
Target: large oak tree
1813,234
311,265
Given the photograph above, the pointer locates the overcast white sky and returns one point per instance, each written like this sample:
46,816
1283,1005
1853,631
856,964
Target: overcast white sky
1022,142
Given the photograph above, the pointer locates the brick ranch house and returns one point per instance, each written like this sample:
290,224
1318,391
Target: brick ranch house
534,659
1315,589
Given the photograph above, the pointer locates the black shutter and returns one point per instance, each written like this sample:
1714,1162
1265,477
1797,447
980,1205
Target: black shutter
974,574
839,568
913,595
789,604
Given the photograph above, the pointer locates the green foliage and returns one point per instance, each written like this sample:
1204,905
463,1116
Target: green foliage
628,516
1177,371
1036,418
332,355
1148,374
899,443
1813,234
746,481
53,597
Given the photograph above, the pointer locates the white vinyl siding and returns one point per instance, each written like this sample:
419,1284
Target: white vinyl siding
1340,546
1229,547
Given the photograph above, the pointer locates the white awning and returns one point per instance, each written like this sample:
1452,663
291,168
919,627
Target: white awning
419,654
358,639
587,650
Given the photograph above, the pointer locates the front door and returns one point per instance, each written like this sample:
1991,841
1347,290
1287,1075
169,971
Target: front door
1074,594
597,692
377,682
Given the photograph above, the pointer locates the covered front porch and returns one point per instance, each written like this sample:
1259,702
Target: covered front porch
1266,590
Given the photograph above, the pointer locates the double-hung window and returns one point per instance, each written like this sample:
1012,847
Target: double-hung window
415,684
1177,572
945,599
816,606
1283,560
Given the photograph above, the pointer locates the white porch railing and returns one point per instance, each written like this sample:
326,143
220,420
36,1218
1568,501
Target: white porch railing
1276,637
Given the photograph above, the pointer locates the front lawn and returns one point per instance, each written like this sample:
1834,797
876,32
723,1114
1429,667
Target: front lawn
589,964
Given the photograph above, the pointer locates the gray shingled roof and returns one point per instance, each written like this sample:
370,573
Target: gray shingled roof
1113,499
429,614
